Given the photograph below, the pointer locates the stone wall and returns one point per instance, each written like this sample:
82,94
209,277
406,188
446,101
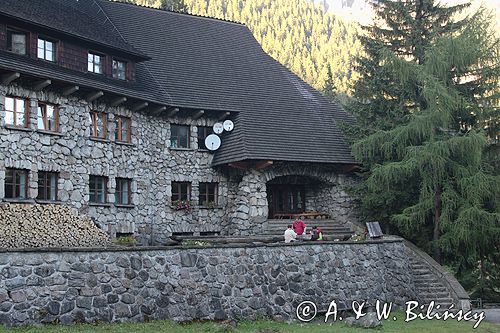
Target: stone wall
148,161
197,283
249,209
152,166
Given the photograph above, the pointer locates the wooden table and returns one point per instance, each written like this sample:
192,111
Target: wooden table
307,215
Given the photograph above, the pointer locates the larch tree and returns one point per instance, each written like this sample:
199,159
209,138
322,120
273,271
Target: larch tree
429,157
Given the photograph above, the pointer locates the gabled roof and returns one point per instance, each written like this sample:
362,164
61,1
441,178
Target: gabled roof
208,63
62,16
197,63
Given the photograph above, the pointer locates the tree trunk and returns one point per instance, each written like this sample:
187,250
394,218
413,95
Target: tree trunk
437,217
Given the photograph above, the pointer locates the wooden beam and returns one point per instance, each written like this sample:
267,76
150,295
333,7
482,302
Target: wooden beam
94,95
173,112
198,114
157,110
39,85
224,115
9,77
263,164
239,165
139,106
70,90
117,101
351,168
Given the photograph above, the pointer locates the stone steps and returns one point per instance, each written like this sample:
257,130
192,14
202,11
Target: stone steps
429,287
331,229
328,226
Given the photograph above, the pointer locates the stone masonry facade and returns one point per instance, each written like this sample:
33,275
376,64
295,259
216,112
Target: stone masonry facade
152,166
185,284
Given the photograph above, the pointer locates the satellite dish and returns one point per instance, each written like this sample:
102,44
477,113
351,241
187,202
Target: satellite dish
212,142
218,128
228,125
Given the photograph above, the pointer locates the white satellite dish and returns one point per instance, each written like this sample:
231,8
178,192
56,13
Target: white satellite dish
228,125
218,128
212,142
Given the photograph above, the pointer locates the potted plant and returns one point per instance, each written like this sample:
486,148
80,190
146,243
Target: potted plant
182,205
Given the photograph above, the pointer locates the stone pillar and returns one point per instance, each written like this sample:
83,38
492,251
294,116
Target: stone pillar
251,205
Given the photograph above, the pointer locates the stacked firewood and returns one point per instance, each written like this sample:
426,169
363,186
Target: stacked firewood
26,225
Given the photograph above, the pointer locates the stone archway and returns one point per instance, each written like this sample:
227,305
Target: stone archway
250,209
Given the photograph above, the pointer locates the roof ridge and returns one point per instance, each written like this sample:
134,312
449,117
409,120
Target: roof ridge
176,12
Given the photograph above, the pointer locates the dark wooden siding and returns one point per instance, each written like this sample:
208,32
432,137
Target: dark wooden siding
69,54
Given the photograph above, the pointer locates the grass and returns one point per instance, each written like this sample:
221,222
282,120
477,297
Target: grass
264,326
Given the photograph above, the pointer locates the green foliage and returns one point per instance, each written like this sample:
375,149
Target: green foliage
174,5
192,242
125,240
262,326
405,29
428,102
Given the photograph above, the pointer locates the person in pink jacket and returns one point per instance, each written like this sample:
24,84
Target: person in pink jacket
299,227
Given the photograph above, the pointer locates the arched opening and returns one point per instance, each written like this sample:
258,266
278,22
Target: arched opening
290,194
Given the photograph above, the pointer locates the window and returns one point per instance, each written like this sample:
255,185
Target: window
208,194
47,185
16,42
179,136
119,69
123,191
16,111
46,49
16,184
98,125
123,129
95,63
181,191
48,117
98,189
203,132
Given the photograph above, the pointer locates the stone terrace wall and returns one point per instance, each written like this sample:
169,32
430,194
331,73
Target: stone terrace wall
197,283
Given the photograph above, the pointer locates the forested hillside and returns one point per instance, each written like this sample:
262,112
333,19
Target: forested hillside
297,33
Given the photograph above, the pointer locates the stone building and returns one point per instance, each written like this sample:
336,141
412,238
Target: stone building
105,106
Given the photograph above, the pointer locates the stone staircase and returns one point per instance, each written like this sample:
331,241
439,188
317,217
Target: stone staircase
331,229
434,283
429,288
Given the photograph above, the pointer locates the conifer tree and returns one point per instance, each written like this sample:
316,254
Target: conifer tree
174,5
405,28
437,153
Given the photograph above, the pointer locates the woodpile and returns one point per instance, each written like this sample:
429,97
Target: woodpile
27,225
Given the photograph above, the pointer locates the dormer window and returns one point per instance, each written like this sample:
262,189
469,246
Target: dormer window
119,69
95,63
16,41
46,49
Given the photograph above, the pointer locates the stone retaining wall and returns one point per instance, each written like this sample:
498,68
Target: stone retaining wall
197,283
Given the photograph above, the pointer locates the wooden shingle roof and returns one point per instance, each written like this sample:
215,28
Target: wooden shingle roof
67,16
207,63
199,63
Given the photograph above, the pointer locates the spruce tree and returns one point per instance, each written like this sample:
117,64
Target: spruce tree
173,5
451,90
405,28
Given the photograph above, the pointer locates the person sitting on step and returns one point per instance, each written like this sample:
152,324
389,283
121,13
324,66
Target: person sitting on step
290,235
316,234
299,227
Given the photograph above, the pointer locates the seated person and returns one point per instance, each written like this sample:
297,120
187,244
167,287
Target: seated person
300,228
316,234
290,235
